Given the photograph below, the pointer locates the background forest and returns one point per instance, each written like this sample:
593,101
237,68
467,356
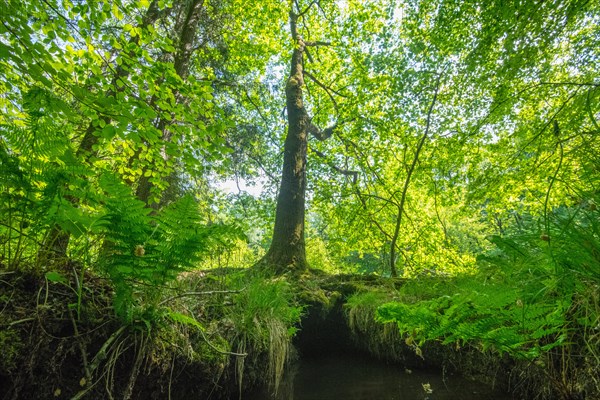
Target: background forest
450,145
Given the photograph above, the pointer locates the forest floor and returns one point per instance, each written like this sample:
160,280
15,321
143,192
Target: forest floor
211,336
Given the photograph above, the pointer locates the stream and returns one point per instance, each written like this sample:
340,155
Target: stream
352,377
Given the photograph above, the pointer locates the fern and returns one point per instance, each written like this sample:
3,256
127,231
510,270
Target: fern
522,303
144,252
185,320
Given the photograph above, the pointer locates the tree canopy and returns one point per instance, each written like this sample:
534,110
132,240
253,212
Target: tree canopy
436,113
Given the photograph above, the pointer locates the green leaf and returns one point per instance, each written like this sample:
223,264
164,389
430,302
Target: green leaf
56,277
184,319
108,132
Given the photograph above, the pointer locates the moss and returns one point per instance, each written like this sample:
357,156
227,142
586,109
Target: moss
381,340
313,297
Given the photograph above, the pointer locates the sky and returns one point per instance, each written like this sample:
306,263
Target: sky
234,186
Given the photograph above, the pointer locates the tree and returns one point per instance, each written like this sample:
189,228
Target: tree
124,69
509,71
288,247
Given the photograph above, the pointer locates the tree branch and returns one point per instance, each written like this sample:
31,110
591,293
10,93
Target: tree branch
306,9
346,172
370,215
317,43
354,175
411,169
189,294
325,88
319,134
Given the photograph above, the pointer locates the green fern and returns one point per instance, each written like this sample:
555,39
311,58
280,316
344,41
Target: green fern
522,302
144,252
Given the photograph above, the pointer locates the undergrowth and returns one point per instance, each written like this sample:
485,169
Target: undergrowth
380,340
535,298
265,316
107,289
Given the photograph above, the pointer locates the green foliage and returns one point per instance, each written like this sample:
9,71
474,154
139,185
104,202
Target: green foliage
111,229
368,299
361,308
262,299
111,113
533,293
143,252
318,256
184,319
381,340
39,174
265,315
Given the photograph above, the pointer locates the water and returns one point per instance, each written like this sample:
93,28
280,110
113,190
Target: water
349,377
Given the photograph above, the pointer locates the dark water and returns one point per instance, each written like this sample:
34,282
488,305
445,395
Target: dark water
356,378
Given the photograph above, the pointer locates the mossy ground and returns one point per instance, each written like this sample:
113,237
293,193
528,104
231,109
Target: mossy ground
566,373
52,349
210,336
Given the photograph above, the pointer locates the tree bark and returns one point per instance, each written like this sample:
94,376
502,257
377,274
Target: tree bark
287,251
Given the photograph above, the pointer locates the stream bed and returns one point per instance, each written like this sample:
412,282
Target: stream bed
353,377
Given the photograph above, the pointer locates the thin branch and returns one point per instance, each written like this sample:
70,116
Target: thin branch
547,124
189,294
322,86
370,215
407,181
437,213
215,348
212,346
307,8
361,156
317,43
309,55
582,84
588,104
323,11
346,172
256,108
391,200
477,128
258,161
560,161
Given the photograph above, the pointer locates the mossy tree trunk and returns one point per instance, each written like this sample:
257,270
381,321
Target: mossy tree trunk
287,251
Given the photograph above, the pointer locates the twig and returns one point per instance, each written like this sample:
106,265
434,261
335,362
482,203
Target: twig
342,171
101,354
188,294
317,43
230,353
325,87
136,369
212,346
306,9
20,321
84,359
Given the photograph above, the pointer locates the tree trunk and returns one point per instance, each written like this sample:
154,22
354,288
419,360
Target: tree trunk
287,251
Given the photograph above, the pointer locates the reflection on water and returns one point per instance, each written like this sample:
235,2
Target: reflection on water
356,378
